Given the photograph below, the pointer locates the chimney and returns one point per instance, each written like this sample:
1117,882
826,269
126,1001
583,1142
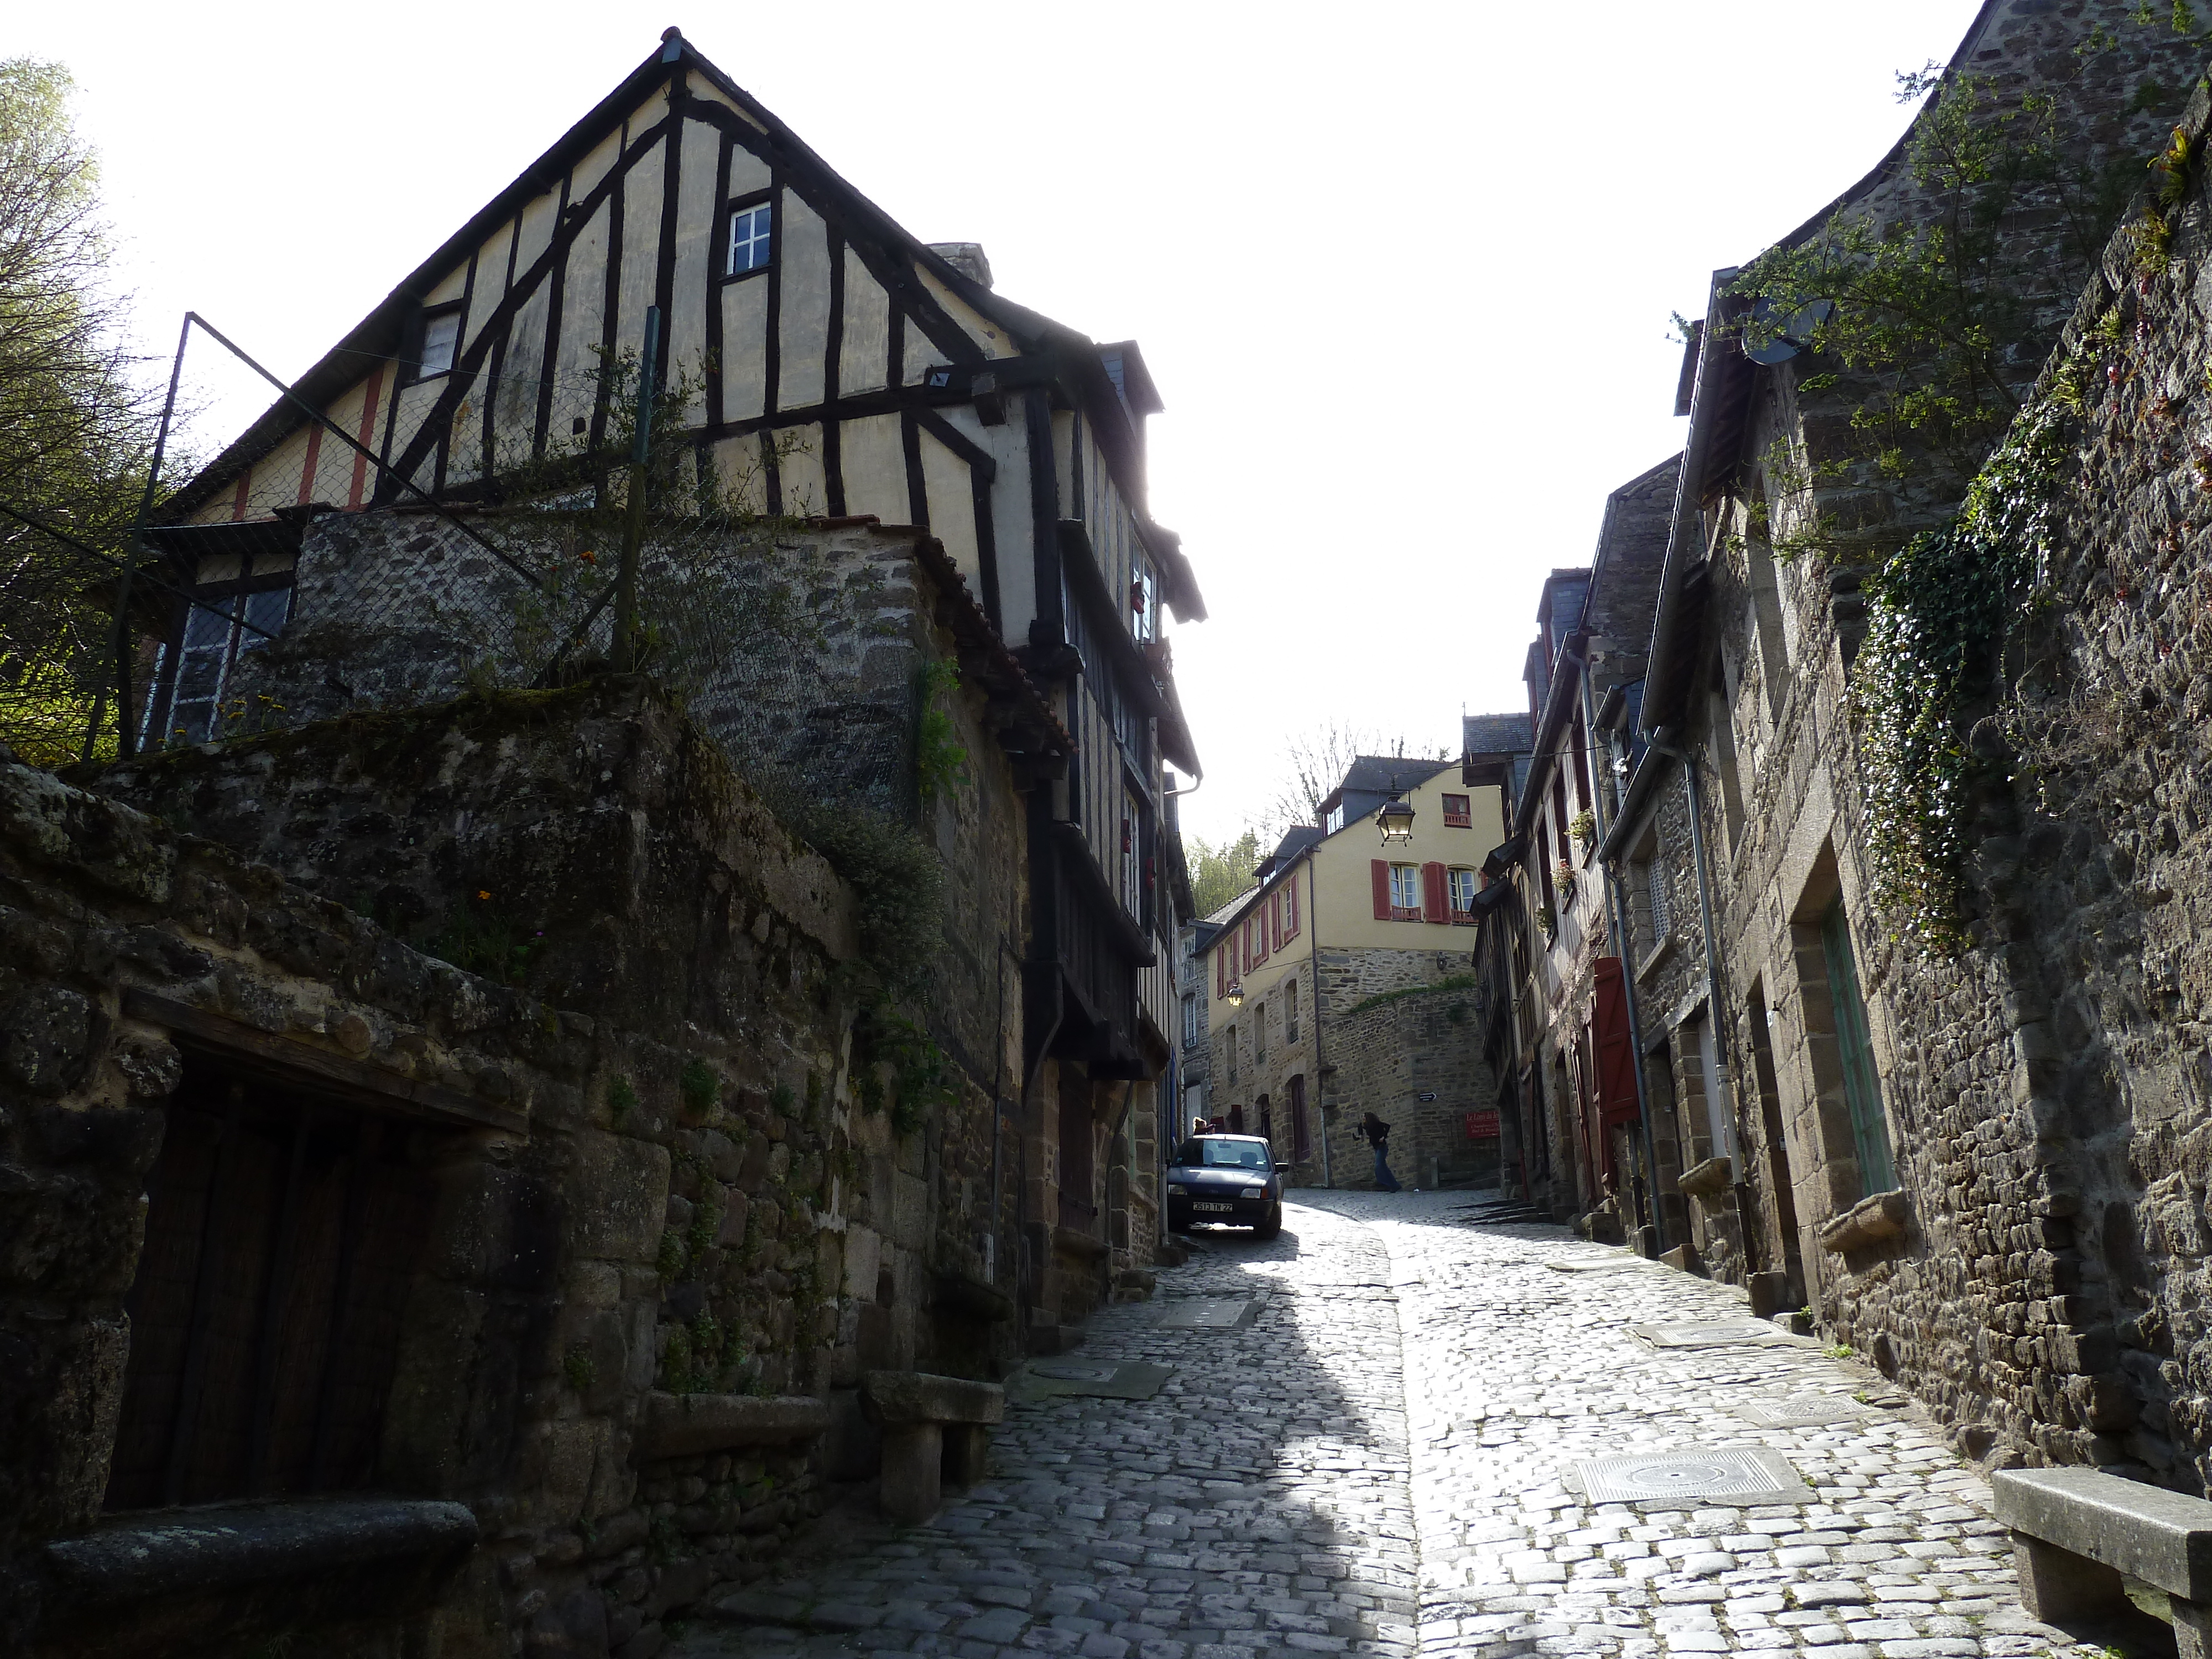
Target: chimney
967,258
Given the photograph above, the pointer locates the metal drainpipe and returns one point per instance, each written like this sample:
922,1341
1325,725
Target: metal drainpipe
1616,906
1312,943
1713,1009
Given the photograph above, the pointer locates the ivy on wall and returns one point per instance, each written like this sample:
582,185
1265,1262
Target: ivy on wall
1940,612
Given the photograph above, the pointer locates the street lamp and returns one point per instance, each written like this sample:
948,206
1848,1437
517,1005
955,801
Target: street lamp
1236,993
1395,817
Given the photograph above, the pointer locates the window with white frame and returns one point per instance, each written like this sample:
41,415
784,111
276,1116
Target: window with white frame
1189,1021
196,671
441,339
1405,887
1336,818
750,232
1291,1013
1464,886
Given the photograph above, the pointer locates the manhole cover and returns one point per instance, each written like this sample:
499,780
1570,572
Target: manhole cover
1731,1477
1800,1412
1715,1334
1209,1316
1076,1373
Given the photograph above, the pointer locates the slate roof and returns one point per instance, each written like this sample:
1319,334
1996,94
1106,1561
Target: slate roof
1373,774
1495,734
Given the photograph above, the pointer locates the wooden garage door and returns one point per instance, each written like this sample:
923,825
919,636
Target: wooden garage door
281,1235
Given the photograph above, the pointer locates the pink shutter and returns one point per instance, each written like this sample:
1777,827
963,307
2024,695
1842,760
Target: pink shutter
1381,870
1436,903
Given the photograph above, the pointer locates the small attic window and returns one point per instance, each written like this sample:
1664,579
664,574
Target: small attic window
441,336
750,230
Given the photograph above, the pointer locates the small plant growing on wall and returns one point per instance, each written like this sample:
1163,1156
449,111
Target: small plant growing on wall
699,1087
1563,873
940,762
622,1101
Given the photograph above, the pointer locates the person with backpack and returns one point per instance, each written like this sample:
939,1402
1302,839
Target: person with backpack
1378,1136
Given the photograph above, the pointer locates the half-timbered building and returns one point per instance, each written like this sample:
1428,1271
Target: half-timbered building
821,362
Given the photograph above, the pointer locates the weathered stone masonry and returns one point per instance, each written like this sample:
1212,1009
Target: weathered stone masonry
644,1182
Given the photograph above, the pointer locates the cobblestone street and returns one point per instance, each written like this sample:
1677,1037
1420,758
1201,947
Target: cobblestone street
1381,1461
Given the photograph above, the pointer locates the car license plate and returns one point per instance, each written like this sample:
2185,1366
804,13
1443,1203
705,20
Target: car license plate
1213,1206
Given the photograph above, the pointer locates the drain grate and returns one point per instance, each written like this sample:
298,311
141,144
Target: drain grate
1674,1477
1207,1315
1802,1412
1714,1334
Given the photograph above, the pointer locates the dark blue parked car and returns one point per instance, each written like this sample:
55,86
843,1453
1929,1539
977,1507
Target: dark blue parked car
1228,1179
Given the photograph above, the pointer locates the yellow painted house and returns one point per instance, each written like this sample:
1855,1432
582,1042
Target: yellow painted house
1344,925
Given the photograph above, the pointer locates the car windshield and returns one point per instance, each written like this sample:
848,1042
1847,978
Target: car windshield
1223,1155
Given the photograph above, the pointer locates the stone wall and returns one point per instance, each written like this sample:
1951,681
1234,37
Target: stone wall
2046,1093
555,934
1385,1058
1381,1055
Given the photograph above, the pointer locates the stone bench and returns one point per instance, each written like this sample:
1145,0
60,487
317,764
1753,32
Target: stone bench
935,1429
173,1580
2076,1531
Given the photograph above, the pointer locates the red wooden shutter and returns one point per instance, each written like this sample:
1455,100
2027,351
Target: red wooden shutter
1436,904
1221,972
1616,1054
1381,870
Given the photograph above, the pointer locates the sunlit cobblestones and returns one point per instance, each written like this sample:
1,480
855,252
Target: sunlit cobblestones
1382,1462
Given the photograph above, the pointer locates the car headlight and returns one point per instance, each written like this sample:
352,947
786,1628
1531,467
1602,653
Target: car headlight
1176,1189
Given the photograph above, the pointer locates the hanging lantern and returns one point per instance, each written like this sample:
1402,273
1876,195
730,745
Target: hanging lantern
1395,817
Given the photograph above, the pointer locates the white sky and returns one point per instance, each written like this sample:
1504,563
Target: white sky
1402,274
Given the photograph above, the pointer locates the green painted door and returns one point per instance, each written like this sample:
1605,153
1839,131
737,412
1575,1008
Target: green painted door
1862,1087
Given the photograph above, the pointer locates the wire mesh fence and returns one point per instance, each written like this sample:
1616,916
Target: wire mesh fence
305,578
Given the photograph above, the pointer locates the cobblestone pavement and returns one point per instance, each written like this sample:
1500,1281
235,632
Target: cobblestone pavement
1381,1462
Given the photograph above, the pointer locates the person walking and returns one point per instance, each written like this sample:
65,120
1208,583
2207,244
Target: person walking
1378,1136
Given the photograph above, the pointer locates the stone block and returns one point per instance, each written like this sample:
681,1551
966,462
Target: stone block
1684,1259
574,1627
899,1397
1708,1180
863,1256
617,1196
914,1471
176,1581
2058,1586
1872,1220
689,1425
1769,1293
2161,1537
966,1453
47,1035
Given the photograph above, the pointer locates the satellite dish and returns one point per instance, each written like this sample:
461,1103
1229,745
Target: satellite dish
1780,338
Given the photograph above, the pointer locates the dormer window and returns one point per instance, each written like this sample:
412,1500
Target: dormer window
441,339
750,229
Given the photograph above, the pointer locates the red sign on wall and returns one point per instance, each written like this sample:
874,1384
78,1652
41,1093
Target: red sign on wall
1482,1126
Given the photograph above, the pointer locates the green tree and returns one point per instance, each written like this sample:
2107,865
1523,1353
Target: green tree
1929,302
76,421
1219,872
